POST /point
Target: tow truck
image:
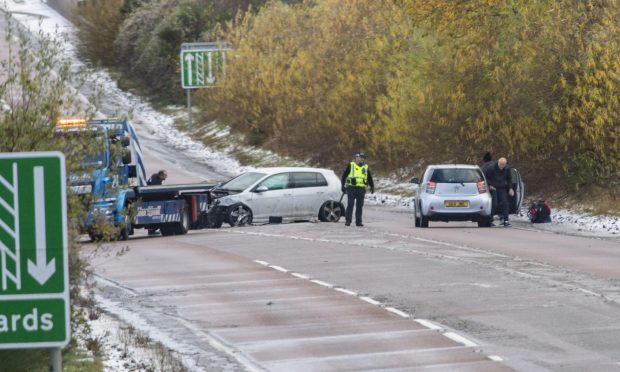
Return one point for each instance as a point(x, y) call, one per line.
point(111, 182)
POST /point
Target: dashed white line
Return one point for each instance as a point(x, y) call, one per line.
point(397, 312)
point(460, 339)
point(370, 300)
point(428, 324)
point(346, 291)
point(496, 358)
point(324, 284)
point(301, 276)
point(262, 262)
point(279, 268)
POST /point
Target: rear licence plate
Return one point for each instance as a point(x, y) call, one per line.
point(456, 203)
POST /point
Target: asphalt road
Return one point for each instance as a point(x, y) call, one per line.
point(536, 300)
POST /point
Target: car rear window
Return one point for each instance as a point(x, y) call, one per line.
point(456, 176)
point(308, 179)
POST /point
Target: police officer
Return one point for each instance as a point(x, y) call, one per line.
point(354, 180)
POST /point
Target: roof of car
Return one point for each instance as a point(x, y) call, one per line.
point(453, 166)
point(272, 170)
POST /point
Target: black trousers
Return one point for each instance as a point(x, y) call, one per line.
point(355, 197)
point(501, 193)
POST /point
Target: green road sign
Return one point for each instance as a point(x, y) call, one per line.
point(202, 64)
point(34, 275)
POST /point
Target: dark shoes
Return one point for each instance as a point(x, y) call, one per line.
point(506, 223)
point(359, 224)
point(347, 223)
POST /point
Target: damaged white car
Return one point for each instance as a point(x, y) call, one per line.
point(274, 195)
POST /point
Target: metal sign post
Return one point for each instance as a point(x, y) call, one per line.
point(201, 65)
point(34, 273)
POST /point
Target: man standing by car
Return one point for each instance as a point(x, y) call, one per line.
point(500, 184)
point(354, 180)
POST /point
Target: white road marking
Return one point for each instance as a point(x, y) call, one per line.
point(397, 312)
point(279, 268)
point(370, 300)
point(460, 339)
point(301, 276)
point(262, 262)
point(496, 358)
point(346, 291)
point(428, 324)
point(324, 284)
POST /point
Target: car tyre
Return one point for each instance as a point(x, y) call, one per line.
point(423, 220)
point(415, 216)
point(239, 215)
point(485, 221)
point(331, 211)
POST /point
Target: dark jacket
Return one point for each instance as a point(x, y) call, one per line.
point(347, 170)
point(154, 180)
point(498, 178)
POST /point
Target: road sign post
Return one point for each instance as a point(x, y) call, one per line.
point(201, 65)
point(34, 274)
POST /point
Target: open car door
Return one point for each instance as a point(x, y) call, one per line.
point(514, 203)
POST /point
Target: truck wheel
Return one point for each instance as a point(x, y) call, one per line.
point(330, 211)
point(239, 215)
point(183, 226)
point(125, 228)
point(167, 229)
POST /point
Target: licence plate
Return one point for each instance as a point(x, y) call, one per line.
point(456, 203)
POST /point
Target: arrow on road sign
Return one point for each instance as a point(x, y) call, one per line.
point(42, 270)
point(189, 58)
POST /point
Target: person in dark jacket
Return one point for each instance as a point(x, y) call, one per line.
point(500, 183)
point(157, 178)
point(355, 179)
point(487, 162)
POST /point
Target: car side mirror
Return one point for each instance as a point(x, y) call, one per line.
point(414, 180)
point(261, 189)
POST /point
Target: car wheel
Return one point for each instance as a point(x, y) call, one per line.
point(485, 221)
point(239, 215)
point(423, 220)
point(183, 226)
point(415, 215)
point(330, 211)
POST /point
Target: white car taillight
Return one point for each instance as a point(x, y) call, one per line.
point(430, 187)
point(482, 187)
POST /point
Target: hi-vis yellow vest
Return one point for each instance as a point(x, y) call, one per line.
point(359, 173)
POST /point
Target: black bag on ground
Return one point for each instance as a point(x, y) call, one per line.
point(539, 212)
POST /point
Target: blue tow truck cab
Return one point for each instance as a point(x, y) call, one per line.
point(112, 182)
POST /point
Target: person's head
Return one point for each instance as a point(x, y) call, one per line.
point(360, 158)
point(487, 157)
point(162, 174)
point(501, 163)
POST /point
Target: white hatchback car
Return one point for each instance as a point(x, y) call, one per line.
point(453, 192)
point(277, 195)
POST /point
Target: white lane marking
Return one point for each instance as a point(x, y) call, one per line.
point(324, 284)
point(397, 312)
point(496, 358)
point(346, 291)
point(301, 276)
point(370, 300)
point(460, 339)
point(279, 268)
point(589, 292)
point(428, 324)
point(262, 262)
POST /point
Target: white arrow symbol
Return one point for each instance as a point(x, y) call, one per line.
point(189, 58)
point(41, 271)
point(210, 78)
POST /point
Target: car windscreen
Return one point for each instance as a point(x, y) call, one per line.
point(457, 176)
point(243, 181)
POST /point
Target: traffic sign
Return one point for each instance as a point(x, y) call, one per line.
point(34, 275)
point(202, 64)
